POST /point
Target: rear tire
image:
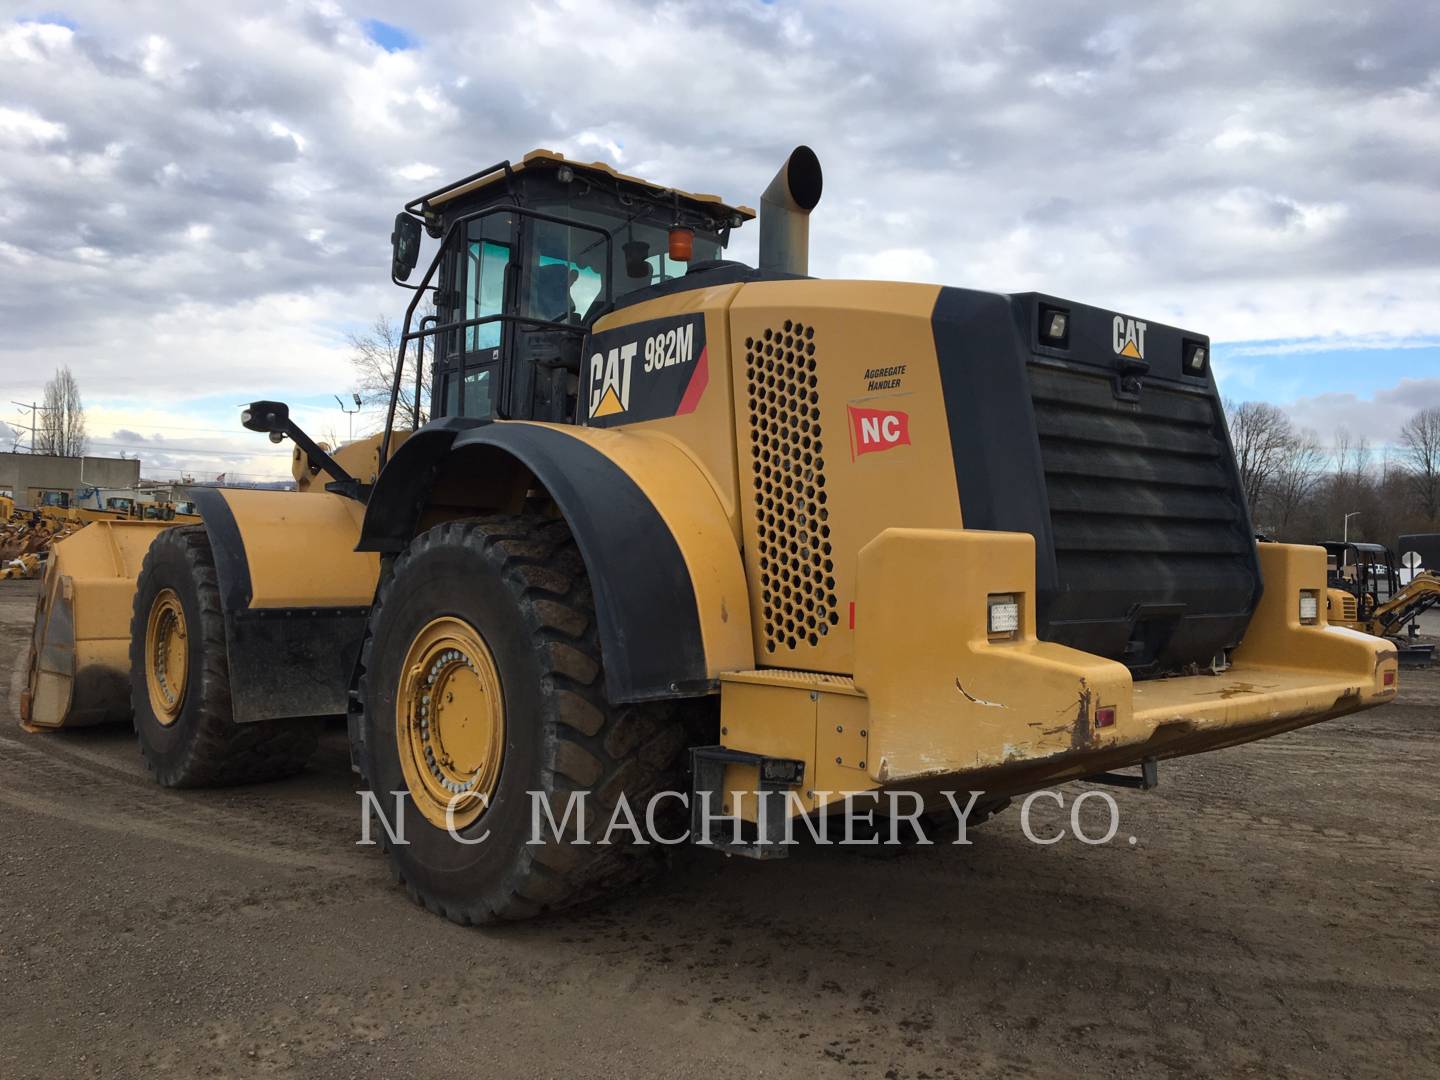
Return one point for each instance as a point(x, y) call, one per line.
point(188, 735)
point(519, 583)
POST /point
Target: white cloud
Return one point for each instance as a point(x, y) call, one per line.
point(19, 126)
point(609, 147)
point(33, 42)
point(890, 264)
point(417, 172)
point(1376, 418)
point(1332, 344)
point(210, 186)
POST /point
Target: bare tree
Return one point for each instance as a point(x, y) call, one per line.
point(374, 354)
point(62, 419)
point(1351, 458)
point(1301, 469)
point(1420, 438)
point(1262, 437)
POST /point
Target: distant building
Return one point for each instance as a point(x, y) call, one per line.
point(29, 476)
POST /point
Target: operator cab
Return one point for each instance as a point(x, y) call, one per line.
point(49, 497)
point(531, 254)
point(1366, 571)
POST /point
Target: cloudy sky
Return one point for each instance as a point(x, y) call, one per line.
point(195, 199)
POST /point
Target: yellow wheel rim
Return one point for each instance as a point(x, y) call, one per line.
point(450, 723)
point(167, 657)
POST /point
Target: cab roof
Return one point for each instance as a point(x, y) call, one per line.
point(535, 159)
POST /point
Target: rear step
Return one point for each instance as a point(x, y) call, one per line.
point(1149, 776)
point(708, 819)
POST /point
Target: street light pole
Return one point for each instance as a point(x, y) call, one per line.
point(349, 414)
point(1346, 529)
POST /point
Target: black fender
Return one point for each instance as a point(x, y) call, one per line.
point(645, 605)
point(295, 660)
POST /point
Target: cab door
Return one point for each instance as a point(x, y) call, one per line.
point(469, 370)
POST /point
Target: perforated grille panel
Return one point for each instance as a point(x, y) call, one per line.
point(797, 571)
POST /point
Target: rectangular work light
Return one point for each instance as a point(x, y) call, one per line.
point(1054, 326)
point(1309, 607)
point(1003, 619)
point(1197, 355)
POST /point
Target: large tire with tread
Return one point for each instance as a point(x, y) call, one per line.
point(202, 745)
point(519, 581)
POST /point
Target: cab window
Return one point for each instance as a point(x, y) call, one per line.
point(565, 276)
point(478, 400)
point(485, 263)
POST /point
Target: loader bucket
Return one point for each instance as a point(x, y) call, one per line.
point(79, 671)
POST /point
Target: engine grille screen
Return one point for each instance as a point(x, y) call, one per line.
point(787, 456)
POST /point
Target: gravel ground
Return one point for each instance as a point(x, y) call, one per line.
point(1278, 915)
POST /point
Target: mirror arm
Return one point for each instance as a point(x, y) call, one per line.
point(318, 458)
point(273, 418)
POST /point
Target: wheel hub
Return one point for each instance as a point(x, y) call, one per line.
point(450, 722)
point(167, 654)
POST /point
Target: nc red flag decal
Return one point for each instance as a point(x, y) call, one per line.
point(877, 429)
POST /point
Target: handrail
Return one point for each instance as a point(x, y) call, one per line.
point(420, 365)
point(412, 207)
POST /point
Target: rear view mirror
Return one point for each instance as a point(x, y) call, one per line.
point(404, 246)
point(636, 252)
point(266, 416)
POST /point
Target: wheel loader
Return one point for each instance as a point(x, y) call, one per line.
point(678, 524)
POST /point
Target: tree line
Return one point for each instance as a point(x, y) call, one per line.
point(1301, 489)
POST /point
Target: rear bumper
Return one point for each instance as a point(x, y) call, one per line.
point(936, 704)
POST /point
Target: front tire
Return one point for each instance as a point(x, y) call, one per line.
point(502, 605)
point(180, 678)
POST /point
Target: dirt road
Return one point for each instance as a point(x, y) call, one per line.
point(1278, 915)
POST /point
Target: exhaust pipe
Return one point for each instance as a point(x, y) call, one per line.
point(785, 213)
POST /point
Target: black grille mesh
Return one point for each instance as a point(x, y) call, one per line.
point(796, 561)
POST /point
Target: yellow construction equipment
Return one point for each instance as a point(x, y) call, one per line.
point(22, 566)
point(166, 511)
point(1365, 594)
point(805, 537)
point(25, 541)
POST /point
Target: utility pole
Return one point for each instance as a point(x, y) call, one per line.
point(34, 410)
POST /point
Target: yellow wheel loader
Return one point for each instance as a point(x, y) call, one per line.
point(680, 529)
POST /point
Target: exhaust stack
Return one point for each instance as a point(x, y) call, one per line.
point(785, 213)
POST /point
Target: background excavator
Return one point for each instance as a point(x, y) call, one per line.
point(679, 526)
point(1366, 594)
